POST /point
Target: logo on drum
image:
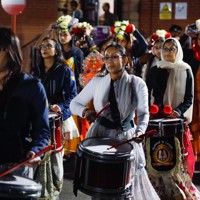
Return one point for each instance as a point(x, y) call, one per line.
point(163, 153)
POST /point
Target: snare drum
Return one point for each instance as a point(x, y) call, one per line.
point(101, 172)
point(169, 127)
point(56, 131)
point(18, 188)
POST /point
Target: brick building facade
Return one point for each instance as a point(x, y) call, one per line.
point(38, 14)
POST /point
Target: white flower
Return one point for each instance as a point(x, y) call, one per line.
point(161, 33)
point(198, 24)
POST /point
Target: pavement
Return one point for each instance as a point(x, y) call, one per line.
point(67, 191)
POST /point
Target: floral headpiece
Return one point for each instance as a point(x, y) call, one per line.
point(198, 24)
point(160, 34)
point(79, 28)
point(122, 27)
point(66, 22)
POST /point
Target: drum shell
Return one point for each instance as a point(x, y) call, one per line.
point(56, 131)
point(104, 174)
point(169, 128)
point(18, 188)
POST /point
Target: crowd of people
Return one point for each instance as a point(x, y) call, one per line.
point(133, 74)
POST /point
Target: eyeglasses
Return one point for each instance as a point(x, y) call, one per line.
point(48, 46)
point(113, 57)
point(157, 48)
point(172, 49)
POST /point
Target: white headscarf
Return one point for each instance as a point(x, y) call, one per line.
point(175, 90)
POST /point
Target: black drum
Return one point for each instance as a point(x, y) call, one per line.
point(102, 172)
point(17, 188)
point(168, 127)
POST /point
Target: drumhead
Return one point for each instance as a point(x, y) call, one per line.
point(53, 114)
point(102, 145)
point(13, 186)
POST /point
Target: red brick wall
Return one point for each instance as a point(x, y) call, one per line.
point(37, 15)
point(149, 15)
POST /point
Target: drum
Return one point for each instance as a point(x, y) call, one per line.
point(101, 172)
point(56, 131)
point(18, 188)
point(169, 127)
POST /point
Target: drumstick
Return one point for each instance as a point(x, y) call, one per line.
point(132, 139)
point(102, 109)
point(26, 160)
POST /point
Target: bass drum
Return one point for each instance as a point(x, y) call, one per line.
point(17, 188)
point(101, 172)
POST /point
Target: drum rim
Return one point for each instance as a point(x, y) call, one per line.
point(20, 191)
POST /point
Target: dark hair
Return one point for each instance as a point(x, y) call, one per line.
point(120, 48)
point(170, 40)
point(107, 4)
point(58, 56)
point(74, 3)
point(10, 42)
point(175, 28)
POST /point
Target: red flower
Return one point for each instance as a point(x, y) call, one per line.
point(112, 29)
point(154, 37)
point(167, 35)
point(129, 28)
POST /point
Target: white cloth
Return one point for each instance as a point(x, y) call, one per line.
point(70, 126)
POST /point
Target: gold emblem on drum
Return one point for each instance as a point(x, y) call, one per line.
point(163, 155)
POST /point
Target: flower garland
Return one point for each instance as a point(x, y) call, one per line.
point(79, 29)
point(122, 27)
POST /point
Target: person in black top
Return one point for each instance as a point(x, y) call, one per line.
point(108, 18)
point(24, 127)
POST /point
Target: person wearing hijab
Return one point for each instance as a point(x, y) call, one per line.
point(175, 87)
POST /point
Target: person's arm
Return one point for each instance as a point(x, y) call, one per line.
point(78, 104)
point(69, 91)
point(142, 105)
point(40, 133)
point(140, 45)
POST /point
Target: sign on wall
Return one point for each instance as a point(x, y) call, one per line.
point(181, 10)
point(165, 10)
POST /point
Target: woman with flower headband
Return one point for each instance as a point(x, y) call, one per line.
point(151, 71)
point(74, 57)
point(128, 36)
point(82, 37)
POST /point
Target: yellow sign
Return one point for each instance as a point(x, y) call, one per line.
point(165, 10)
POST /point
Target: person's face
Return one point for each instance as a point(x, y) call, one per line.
point(64, 37)
point(169, 52)
point(47, 48)
point(113, 60)
point(157, 49)
point(123, 42)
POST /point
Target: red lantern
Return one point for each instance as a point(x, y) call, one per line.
point(13, 7)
